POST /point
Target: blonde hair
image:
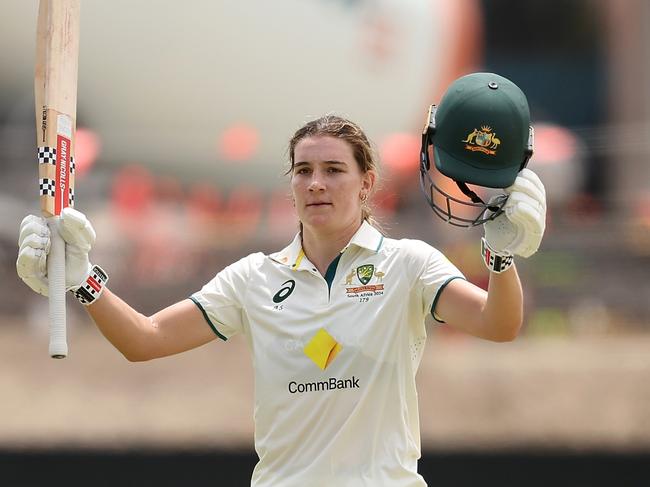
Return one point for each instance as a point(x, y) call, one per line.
point(341, 128)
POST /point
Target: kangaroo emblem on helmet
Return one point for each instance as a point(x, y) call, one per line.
point(482, 140)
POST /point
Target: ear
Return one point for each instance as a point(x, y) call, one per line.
point(368, 180)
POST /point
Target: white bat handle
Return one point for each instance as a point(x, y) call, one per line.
point(56, 277)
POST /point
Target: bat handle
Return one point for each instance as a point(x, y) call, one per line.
point(56, 277)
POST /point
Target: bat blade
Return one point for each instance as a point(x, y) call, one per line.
point(55, 93)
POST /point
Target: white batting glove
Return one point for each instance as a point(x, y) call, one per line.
point(520, 228)
point(79, 237)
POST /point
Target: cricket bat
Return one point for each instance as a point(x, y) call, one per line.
point(55, 90)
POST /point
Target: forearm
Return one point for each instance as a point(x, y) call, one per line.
point(502, 313)
point(122, 325)
point(171, 330)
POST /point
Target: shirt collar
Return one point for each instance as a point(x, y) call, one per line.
point(291, 255)
point(367, 237)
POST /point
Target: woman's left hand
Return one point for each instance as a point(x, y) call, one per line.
point(520, 228)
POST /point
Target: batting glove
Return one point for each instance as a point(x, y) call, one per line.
point(520, 228)
point(86, 281)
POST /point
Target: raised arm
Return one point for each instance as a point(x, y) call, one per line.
point(172, 330)
point(497, 314)
point(494, 315)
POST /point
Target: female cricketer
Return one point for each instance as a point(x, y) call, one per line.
point(334, 321)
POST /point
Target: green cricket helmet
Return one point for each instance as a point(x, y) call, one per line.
point(480, 134)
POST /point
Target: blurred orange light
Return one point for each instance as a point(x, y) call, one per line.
point(400, 153)
point(239, 142)
point(86, 151)
point(554, 144)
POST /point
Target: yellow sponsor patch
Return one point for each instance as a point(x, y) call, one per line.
point(322, 349)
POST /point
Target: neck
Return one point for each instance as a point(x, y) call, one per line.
point(321, 247)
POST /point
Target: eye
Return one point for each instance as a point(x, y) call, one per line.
point(333, 169)
point(302, 170)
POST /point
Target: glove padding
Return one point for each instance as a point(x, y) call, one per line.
point(34, 246)
point(520, 228)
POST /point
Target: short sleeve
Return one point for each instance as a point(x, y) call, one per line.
point(435, 272)
point(221, 299)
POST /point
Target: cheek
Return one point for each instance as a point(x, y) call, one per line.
point(350, 193)
point(295, 187)
point(353, 188)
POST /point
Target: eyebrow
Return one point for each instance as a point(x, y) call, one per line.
point(302, 163)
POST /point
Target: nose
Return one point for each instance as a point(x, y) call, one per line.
point(315, 184)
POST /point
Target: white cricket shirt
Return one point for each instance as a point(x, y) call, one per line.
point(335, 397)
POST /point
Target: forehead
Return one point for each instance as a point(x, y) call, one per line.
point(323, 148)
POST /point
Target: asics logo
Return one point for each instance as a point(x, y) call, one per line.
point(285, 291)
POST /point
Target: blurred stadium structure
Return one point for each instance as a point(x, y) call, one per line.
point(185, 110)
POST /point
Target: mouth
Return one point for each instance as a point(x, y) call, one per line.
point(317, 205)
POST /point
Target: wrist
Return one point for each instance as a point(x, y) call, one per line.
point(92, 286)
point(495, 261)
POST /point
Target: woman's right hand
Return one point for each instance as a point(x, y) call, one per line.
point(34, 246)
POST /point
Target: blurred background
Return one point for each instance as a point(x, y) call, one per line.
point(185, 110)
